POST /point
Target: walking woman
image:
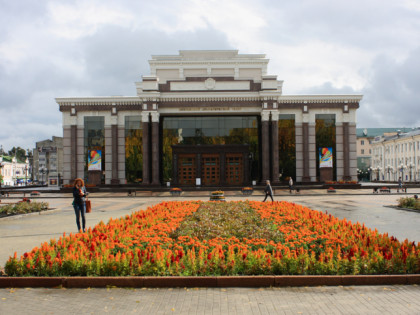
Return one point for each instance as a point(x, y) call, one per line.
point(268, 191)
point(78, 205)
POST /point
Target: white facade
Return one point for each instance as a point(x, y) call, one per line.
point(209, 83)
point(13, 171)
point(397, 156)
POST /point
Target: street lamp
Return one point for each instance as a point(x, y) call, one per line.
point(411, 166)
point(370, 169)
point(389, 169)
point(402, 168)
point(43, 171)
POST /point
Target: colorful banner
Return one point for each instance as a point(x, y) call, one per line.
point(95, 160)
point(325, 157)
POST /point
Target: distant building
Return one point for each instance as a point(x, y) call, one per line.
point(365, 137)
point(48, 161)
point(14, 171)
point(396, 156)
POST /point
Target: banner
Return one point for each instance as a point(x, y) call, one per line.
point(325, 157)
point(95, 160)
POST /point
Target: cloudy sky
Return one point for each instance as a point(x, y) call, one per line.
point(52, 49)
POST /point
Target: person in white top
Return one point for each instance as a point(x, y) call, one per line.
point(291, 184)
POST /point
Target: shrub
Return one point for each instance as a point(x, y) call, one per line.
point(23, 207)
point(408, 202)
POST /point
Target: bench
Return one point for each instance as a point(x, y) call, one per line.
point(385, 190)
point(130, 193)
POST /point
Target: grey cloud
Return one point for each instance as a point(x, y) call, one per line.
point(392, 95)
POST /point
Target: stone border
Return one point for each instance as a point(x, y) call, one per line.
point(221, 281)
point(23, 215)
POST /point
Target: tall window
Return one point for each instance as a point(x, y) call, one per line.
point(325, 137)
point(209, 131)
point(287, 146)
point(133, 149)
point(95, 141)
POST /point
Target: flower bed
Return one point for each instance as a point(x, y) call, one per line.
point(22, 207)
point(247, 191)
point(175, 191)
point(208, 238)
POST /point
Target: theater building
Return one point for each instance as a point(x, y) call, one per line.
point(209, 118)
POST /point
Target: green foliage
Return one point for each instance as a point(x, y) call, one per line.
point(23, 207)
point(227, 220)
point(408, 202)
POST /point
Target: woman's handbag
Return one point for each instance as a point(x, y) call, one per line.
point(88, 206)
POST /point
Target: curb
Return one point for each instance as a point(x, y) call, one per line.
point(23, 215)
point(220, 281)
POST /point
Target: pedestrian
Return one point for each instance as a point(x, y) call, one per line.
point(399, 184)
point(290, 184)
point(268, 191)
point(78, 205)
point(85, 194)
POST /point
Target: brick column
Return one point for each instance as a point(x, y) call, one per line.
point(80, 152)
point(114, 144)
point(145, 116)
point(305, 154)
point(155, 148)
point(275, 147)
point(299, 151)
point(339, 154)
point(121, 154)
point(265, 135)
point(73, 152)
point(352, 139)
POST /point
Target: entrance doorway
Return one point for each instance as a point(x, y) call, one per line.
point(187, 169)
point(210, 169)
point(214, 165)
point(234, 169)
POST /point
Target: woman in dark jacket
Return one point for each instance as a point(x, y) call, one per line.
point(268, 191)
point(78, 196)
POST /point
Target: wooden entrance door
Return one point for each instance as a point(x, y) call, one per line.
point(234, 169)
point(186, 169)
point(210, 169)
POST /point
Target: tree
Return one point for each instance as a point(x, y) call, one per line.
point(19, 153)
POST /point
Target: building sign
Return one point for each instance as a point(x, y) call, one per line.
point(325, 157)
point(95, 160)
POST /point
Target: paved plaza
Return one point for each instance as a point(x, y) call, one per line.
point(22, 233)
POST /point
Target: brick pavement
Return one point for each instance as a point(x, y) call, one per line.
point(303, 300)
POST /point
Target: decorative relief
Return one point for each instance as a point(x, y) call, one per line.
point(210, 84)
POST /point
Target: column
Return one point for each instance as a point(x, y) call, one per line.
point(275, 147)
point(155, 148)
point(265, 135)
point(346, 152)
point(352, 140)
point(121, 154)
point(339, 150)
point(73, 153)
point(114, 135)
point(145, 116)
point(108, 153)
point(312, 151)
point(305, 153)
point(299, 151)
point(80, 152)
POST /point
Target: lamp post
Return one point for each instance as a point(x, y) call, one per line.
point(402, 167)
point(370, 169)
point(43, 171)
point(411, 166)
point(389, 170)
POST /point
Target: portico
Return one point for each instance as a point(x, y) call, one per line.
point(215, 116)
